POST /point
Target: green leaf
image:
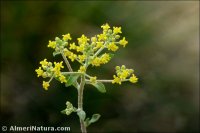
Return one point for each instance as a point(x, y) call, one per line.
point(81, 114)
point(100, 87)
point(55, 53)
point(95, 117)
point(87, 122)
point(72, 79)
point(75, 85)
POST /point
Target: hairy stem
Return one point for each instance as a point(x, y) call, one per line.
point(80, 102)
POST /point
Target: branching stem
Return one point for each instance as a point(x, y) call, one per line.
point(80, 102)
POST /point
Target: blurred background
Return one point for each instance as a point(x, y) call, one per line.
point(163, 49)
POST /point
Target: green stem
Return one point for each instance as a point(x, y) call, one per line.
point(80, 102)
point(106, 80)
point(67, 73)
point(99, 51)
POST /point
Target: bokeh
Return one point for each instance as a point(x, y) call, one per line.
point(163, 49)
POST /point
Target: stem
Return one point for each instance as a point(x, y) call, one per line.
point(80, 102)
point(68, 65)
point(67, 62)
point(67, 73)
point(51, 78)
point(106, 81)
point(98, 51)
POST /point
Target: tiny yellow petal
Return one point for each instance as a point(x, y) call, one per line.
point(123, 42)
point(82, 69)
point(105, 27)
point(72, 46)
point(44, 63)
point(133, 79)
point(72, 56)
point(45, 85)
point(62, 78)
point(83, 40)
point(112, 47)
point(67, 37)
point(116, 80)
point(117, 30)
point(52, 44)
point(39, 72)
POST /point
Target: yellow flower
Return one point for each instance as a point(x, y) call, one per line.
point(67, 37)
point(52, 44)
point(102, 37)
point(81, 58)
point(44, 75)
point(45, 85)
point(44, 63)
point(39, 72)
point(66, 52)
point(112, 47)
point(62, 78)
point(105, 27)
point(96, 61)
point(117, 30)
point(116, 80)
point(80, 48)
point(117, 67)
point(72, 46)
point(83, 39)
point(93, 80)
point(72, 56)
point(124, 74)
point(57, 68)
point(58, 65)
point(105, 58)
point(123, 42)
point(133, 79)
point(93, 39)
point(82, 69)
point(98, 45)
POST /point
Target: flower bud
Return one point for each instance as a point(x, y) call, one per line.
point(117, 36)
point(110, 31)
point(123, 67)
point(117, 67)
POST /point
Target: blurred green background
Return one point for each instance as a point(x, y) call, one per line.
point(163, 49)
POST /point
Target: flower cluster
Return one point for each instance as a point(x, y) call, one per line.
point(87, 50)
point(69, 109)
point(48, 70)
point(94, 51)
point(103, 59)
point(122, 74)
